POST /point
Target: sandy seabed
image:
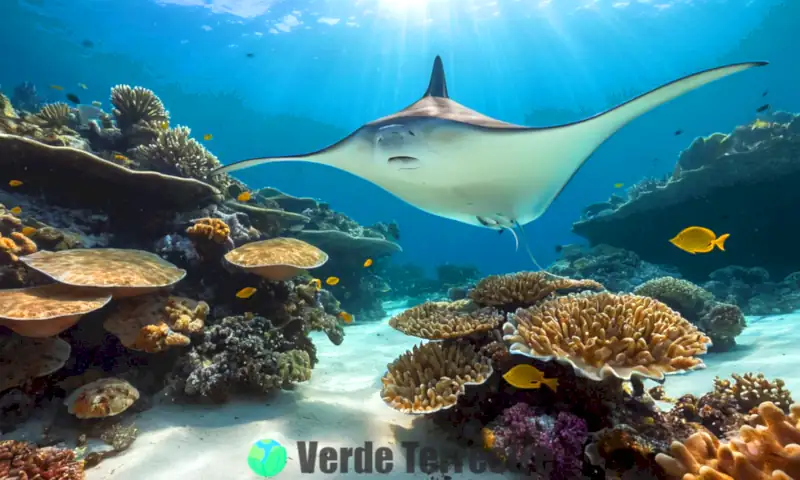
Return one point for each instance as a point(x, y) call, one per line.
point(341, 407)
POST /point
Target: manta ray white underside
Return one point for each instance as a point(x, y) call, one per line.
point(448, 160)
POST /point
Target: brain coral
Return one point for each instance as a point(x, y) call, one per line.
point(432, 376)
point(440, 320)
point(604, 334)
point(524, 289)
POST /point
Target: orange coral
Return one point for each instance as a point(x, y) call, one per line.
point(209, 229)
point(769, 451)
point(15, 245)
point(23, 461)
point(525, 288)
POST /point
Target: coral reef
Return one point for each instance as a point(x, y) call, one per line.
point(432, 376)
point(604, 335)
point(136, 104)
point(720, 321)
point(716, 176)
point(769, 450)
point(102, 398)
point(754, 291)
point(277, 258)
point(20, 460)
point(524, 289)
point(750, 390)
point(437, 321)
point(23, 359)
point(175, 153)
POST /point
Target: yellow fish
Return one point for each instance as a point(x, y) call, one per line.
point(15, 183)
point(368, 263)
point(16, 210)
point(28, 231)
point(346, 317)
point(83, 86)
point(120, 157)
point(97, 104)
point(316, 283)
point(619, 185)
point(244, 197)
point(164, 125)
point(759, 124)
point(332, 280)
point(699, 240)
point(528, 376)
point(246, 292)
point(207, 137)
point(57, 87)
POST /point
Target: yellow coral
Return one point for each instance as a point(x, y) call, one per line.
point(440, 320)
point(209, 229)
point(768, 451)
point(603, 335)
point(525, 288)
point(14, 246)
point(750, 390)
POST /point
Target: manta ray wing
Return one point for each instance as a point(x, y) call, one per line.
point(479, 170)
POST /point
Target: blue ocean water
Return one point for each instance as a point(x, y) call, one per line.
point(321, 69)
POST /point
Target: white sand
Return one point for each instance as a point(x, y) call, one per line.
point(339, 407)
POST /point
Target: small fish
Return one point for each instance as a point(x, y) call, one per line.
point(346, 317)
point(83, 86)
point(207, 137)
point(763, 108)
point(251, 55)
point(619, 185)
point(559, 248)
point(332, 280)
point(649, 421)
point(164, 125)
point(28, 231)
point(765, 93)
point(678, 132)
point(244, 197)
point(246, 292)
point(699, 240)
point(73, 98)
point(57, 87)
point(367, 262)
point(87, 43)
point(15, 183)
point(97, 104)
point(16, 210)
point(528, 376)
point(316, 283)
point(759, 124)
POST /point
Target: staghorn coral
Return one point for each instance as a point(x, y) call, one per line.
point(551, 447)
point(768, 451)
point(277, 258)
point(524, 289)
point(23, 358)
point(54, 115)
point(442, 320)
point(47, 310)
point(604, 335)
point(213, 229)
point(174, 153)
point(750, 390)
point(24, 461)
point(102, 398)
point(154, 323)
point(122, 272)
point(136, 104)
point(432, 376)
point(13, 246)
point(242, 354)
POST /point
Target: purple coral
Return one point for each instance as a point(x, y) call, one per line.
point(551, 447)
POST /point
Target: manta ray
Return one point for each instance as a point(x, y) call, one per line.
point(454, 162)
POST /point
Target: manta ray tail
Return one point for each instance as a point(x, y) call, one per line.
point(530, 253)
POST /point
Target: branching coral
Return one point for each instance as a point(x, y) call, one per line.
point(441, 320)
point(768, 451)
point(136, 104)
point(54, 115)
point(549, 446)
point(750, 390)
point(524, 289)
point(23, 461)
point(213, 229)
point(431, 377)
point(154, 323)
point(604, 335)
point(175, 153)
point(13, 246)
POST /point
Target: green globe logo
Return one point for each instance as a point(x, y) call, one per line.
point(267, 458)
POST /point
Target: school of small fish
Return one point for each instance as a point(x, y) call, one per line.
point(699, 240)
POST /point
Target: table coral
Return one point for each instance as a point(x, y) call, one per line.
point(23, 461)
point(768, 451)
point(277, 258)
point(604, 334)
point(23, 358)
point(432, 376)
point(102, 398)
point(441, 320)
point(524, 289)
